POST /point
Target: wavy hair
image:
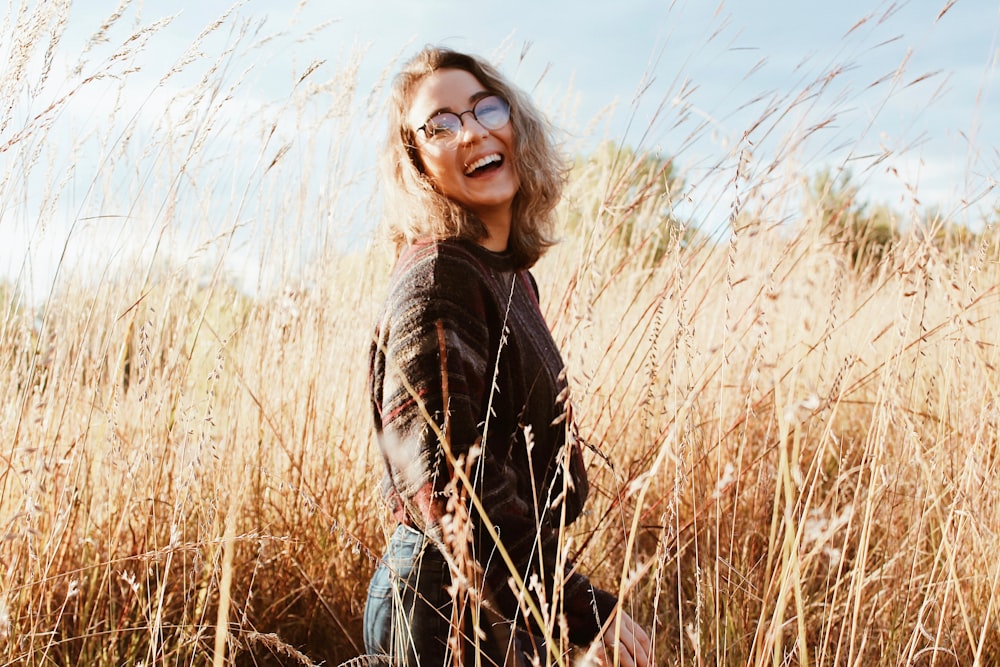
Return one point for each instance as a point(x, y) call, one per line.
point(415, 209)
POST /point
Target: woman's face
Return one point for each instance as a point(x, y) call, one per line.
point(476, 169)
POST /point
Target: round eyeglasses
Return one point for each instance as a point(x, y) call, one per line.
point(492, 112)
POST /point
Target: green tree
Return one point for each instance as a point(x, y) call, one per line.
point(625, 197)
point(867, 233)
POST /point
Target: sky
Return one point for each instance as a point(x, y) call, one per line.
point(902, 94)
point(714, 58)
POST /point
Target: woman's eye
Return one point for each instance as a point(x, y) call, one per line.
point(443, 125)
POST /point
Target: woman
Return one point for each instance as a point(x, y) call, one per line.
point(468, 389)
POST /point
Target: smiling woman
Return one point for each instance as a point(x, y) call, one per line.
point(419, 207)
point(468, 160)
point(468, 389)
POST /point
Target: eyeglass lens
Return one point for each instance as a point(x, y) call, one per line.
point(491, 112)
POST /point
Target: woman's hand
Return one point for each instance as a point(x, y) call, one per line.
point(634, 649)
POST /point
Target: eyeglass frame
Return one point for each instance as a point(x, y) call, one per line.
point(461, 120)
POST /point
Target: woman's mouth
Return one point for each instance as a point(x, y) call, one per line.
point(484, 164)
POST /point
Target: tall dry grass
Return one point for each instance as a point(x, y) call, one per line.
point(792, 463)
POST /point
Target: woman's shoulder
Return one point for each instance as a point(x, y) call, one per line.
point(440, 280)
point(432, 269)
point(449, 261)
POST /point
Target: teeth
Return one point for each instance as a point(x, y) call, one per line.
point(482, 162)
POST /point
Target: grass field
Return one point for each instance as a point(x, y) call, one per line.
point(795, 436)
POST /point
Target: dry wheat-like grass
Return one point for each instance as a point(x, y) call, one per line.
point(792, 455)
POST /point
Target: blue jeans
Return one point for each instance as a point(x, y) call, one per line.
point(409, 609)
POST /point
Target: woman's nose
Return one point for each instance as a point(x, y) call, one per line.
point(472, 129)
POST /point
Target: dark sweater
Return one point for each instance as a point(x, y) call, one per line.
point(453, 296)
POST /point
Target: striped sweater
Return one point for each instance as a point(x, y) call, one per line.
point(458, 321)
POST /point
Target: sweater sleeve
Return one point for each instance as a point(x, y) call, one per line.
point(438, 348)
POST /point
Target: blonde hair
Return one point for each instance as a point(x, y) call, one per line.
point(415, 209)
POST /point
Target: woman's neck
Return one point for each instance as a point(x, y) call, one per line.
point(497, 231)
